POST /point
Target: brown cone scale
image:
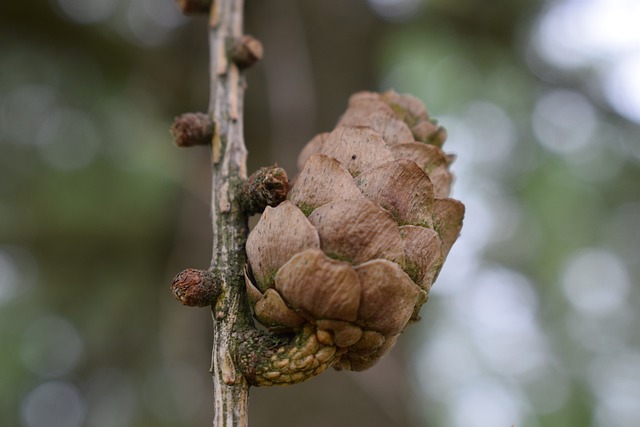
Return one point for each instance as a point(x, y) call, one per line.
point(366, 229)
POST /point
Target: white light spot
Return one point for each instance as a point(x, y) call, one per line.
point(622, 87)
point(54, 404)
point(51, 346)
point(503, 301)
point(564, 121)
point(500, 311)
point(575, 32)
point(491, 125)
point(486, 402)
point(557, 36)
point(601, 34)
point(445, 363)
point(595, 282)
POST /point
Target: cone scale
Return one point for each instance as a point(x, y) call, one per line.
point(353, 252)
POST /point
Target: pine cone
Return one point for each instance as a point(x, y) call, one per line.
point(364, 232)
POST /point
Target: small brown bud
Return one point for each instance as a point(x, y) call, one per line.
point(190, 129)
point(195, 288)
point(245, 51)
point(192, 7)
point(268, 186)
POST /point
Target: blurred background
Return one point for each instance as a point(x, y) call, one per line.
point(534, 319)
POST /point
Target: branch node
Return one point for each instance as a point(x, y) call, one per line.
point(245, 51)
point(268, 186)
point(196, 288)
point(191, 129)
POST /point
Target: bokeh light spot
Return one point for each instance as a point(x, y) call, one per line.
point(503, 301)
point(445, 363)
point(486, 402)
point(500, 310)
point(622, 87)
point(493, 131)
point(564, 121)
point(595, 282)
point(54, 404)
point(601, 34)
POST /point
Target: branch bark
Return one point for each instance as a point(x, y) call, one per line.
point(231, 311)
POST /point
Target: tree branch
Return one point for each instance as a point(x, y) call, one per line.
point(241, 354)
point(231, 311)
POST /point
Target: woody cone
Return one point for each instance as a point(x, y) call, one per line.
point(354, 250)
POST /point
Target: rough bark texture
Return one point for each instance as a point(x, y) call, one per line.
point(230, 311)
